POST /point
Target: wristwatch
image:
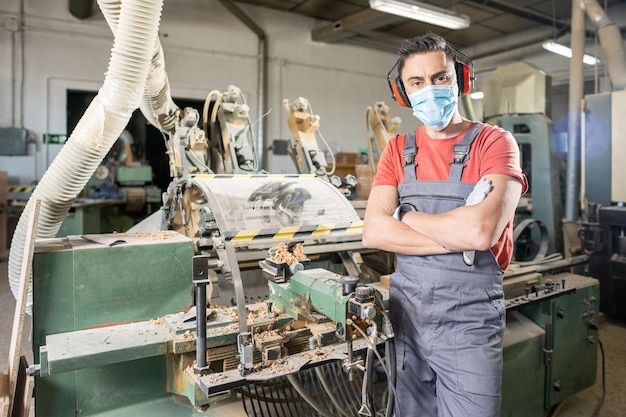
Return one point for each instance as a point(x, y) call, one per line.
point(403, 208)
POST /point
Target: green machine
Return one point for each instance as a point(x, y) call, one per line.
point(121, 327)
point(550, 343)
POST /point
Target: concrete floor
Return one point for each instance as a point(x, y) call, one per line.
point(612, 336)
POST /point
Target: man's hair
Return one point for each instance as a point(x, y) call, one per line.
point(430, 42)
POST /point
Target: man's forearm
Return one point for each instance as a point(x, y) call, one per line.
point(392, 235)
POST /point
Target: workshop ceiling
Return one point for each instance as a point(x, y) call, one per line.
point(496, 25)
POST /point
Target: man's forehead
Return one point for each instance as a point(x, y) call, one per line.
point(428, 63)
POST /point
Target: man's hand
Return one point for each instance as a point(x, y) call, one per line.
point(478, 194)
point(480, 191)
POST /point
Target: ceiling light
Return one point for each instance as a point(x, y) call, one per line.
point(567, 52)
point(423, 12)
point(477, 95)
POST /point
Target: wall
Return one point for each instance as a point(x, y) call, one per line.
point(206, 48)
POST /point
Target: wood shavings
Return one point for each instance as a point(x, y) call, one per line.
point(282, 253)
point(274, 367)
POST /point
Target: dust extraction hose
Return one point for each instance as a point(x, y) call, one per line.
point(98, 129)
point(157, 104)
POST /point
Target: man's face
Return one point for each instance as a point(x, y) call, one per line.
point(429, 68)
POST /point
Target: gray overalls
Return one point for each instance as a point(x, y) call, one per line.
point(448, 317)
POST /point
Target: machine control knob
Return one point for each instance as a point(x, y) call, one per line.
point(364, 293)
point(560, 313)
point(348, 284)
point(592, 299)
point(557, 385)
point(369, 312)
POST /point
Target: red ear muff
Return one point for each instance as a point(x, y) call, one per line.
point(464, 71)
point(398, 93)
point(464, 78)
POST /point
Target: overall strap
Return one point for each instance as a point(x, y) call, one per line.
point(409, 156)
point(461, 152)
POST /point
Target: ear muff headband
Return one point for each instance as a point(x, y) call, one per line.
point(464, 71)
point(464, 78)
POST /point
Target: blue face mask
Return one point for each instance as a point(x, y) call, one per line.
point(434, 105)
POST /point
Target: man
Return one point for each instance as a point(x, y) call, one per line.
point(444, 200)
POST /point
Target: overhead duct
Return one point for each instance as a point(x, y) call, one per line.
point(572, 189)
point(156, 105)
point(611, 42)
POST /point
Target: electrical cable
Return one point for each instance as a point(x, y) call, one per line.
point(330, 151)
point(596, 411)
point(305, 395)
point(365, 409)
point(390, 348)
point(330, 392)
point(205, 109)
point(382, 363)
point(370, 149)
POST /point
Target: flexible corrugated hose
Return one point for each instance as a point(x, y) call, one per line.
point(98, 129)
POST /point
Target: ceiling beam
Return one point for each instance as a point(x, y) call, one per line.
point(352, 25)
point(525, 13)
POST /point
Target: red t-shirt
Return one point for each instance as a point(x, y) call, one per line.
point(494, 151)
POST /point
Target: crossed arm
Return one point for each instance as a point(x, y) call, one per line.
point(466, 228)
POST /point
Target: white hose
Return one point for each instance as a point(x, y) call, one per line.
point(98, 129)
point(157, 104)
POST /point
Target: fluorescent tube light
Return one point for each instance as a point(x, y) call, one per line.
point(477, 95)
point(423, 12)
point(567, 52)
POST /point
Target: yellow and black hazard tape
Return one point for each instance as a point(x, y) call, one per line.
point(294, 232)
point(247, 176)
point(20, 189)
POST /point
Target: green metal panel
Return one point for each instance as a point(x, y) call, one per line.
point(117, 385)
point(167, 406)
point(131, 282)
point(55, 395)
point(574, 359)
point(50, 289)
point(323, 290)
point(523, 370)
point(575, 351)
point(133, 175)
point(82, 219)
point(79, 284)
point(147, 277)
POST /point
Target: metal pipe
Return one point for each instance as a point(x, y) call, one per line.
point(201, 326)
point(611, 42)
point(572, 201)
point(261, 75)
